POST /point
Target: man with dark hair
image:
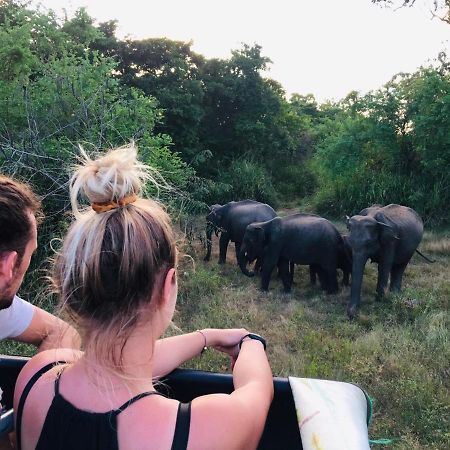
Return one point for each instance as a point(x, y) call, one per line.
point(20, 211)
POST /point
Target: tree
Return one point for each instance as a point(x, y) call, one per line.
point(389, 146)
point(438, 8)
point(57, 93)
point(241, 108)
point(168, 71)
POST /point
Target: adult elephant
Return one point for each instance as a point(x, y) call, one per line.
point(230, 221)
point(387, 235)
point(303, 239)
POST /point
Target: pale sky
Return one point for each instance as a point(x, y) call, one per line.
point(324, 47)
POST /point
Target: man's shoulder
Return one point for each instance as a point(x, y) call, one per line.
point(15, 319)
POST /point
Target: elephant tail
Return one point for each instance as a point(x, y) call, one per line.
point(425, 257)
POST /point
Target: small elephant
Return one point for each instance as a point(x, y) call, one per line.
point(303, 239)
point(344, 263)
point(387, 235)
point(230, 221)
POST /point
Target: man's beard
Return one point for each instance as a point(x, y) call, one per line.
point(6, 302)
point(6, 298)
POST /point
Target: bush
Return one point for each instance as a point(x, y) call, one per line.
point(244, 180)
point(353, 192)
point(294, 181)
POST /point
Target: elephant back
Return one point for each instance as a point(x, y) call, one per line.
point(309, 239)
point(407, 221)
point(243, 213)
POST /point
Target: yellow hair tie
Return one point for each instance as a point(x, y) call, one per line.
point(108, 206)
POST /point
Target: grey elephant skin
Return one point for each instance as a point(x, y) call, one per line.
point(344, 264)
point(230, 221)
point(303, 239)
point(387, 235)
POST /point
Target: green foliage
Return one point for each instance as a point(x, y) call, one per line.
point(244, 180)
point(390, 146)
point(57, 94)
point(169, 71)
point(295, 181)
point(15, 53)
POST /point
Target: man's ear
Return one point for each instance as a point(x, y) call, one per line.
point(7, 265)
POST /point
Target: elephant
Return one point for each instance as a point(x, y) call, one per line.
point(344, 263)
point(387, 235)
point(304, 239)
point(231, 220)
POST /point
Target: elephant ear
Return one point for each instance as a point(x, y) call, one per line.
point(388, 228)
point(347, 221)
point(216, 214)
point(260, 235)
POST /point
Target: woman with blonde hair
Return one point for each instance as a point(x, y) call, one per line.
point(116, 279)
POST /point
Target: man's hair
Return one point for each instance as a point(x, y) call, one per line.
point(17, 201)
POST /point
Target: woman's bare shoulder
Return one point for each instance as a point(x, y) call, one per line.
point(38, 362)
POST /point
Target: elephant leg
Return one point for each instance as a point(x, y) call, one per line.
point(237, 248)
point(223, 245)
point(258, 265)
point(345, 277)
point(384, 268)
point(283, 268)
point(397, 276)
point(331, 277)
point(279, 270)
point(313, 273)
point(383, 279)
point(322, 277)
point(265, 278)
point(291, 271)
point(269, 264)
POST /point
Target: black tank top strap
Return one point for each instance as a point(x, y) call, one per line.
point(181, 436)
point(135, 399)
point(58, 376)
point(24, 396)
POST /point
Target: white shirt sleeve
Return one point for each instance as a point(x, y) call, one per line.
point(15, 319)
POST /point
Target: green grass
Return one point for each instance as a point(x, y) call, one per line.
point(398, 349)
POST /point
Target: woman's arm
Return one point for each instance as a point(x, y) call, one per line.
point(171, 352)
point(253, 383)
point(235, 421)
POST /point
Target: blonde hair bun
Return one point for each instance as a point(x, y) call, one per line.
point(111, 177)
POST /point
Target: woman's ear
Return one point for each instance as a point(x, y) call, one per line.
point(170, 289)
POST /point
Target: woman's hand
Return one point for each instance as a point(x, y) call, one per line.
point(226, 340)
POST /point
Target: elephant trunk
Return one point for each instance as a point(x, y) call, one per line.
point(209, 231)
point(359, 262)
point(242, 261)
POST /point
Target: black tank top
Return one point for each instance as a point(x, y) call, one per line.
point(69, 428)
